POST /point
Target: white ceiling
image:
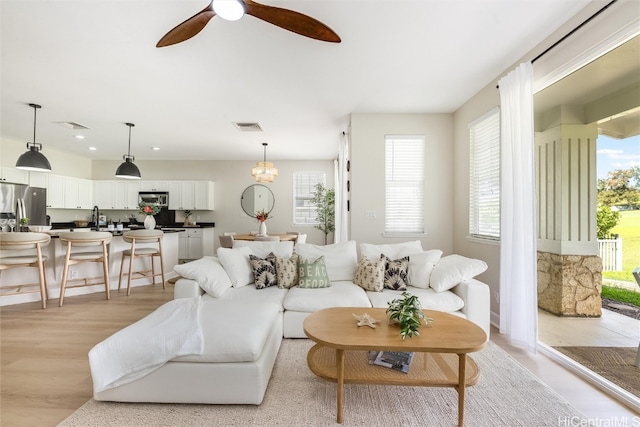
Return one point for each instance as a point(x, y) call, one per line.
point(94, 62)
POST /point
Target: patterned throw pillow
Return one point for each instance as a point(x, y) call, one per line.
point(396, 273)
point(264, 271)
point(312, 274)
point(370, 274)
point(287, 271)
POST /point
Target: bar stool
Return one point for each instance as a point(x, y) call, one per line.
point(27, 242)
point(137, 237)
point(84, 240)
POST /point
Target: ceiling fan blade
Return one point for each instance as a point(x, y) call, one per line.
point(188, 28)
point(292, 21)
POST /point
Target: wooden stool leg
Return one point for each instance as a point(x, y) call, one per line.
point(131, 259)
point(164, 282)
point(105, 270)
point(121, 269)
point(65, 271)
point(153, 270)
point(46, 285)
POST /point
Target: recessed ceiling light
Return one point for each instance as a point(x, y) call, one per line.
point(155, 148)
point(92, 148)
point(79, 136)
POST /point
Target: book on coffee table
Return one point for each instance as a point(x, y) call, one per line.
point(398, 360)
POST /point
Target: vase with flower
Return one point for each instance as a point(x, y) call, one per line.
point(262, 216)
point(149, 210)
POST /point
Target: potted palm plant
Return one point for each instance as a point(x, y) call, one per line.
point(407, 311)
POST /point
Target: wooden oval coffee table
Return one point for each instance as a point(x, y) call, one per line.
point(440, 360)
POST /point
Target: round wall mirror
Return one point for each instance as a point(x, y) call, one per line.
point(256, 198)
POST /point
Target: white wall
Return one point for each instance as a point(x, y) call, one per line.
point(61, 163)
point(367, 175)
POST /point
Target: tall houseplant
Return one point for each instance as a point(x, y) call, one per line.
point(324, 200)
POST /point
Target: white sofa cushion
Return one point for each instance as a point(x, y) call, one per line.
point(420, 267)
point(341, 259)
point(236, 264)
point(453, 269)
point(249, 293)
point(243, 342)
point(393, 250)
point(209, 274)
point(339, 294)
point(263, 249)
point(429, 299)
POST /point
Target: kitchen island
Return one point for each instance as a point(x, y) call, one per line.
point(89, 273)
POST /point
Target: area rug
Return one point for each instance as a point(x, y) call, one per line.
point(612, 363)
point(506, 395)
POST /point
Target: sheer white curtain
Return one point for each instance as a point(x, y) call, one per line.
point(341, 176)
point(518, 283)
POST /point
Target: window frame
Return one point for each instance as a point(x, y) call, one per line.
point(311, 210)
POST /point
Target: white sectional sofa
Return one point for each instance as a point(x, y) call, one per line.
point(234, 283)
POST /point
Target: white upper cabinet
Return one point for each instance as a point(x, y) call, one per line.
point(55, 191)
point(154, 186)
point(39, 179)
point(192, 195)
point(204, 195)
point(15, 175)
point(104, 195)
point(78, 193)
point(120, 195)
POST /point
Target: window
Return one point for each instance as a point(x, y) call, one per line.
point(404, 185)
point(303, 186)
point(484, 176)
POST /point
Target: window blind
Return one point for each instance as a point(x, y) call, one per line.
point(484, 176)
point(404, 184)
point(303, 185)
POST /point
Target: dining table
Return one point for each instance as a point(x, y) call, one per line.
point(283, 237)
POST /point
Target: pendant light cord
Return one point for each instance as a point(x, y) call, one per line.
point(129, 148)
point(35, 110)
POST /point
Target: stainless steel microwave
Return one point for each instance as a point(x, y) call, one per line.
point(159, 197)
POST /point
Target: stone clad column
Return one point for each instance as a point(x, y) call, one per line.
point(569, 268)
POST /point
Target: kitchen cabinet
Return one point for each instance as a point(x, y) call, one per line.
point(78, 193)
point(190, 244)
point(14, 175)
point(39, 179)
point(55, 191)
point(120, 195)
point(154, 186)
point(192, 195)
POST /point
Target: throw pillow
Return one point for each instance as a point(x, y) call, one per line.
point(209, 274)
point(370, 275)
point(341, 259)
point(236, 264)
point(264, 271)
point(420, 267)
point(312, 274)
point(396, 273)
point(287, 271)
point(453, 269)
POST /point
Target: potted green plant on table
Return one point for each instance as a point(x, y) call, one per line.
point(407, 311)
point(187, 217)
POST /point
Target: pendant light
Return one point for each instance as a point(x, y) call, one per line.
point(128, 170)
point(34, 160)
point(264, 171)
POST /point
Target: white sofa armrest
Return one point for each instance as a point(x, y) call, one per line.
point(187, 288)
point(477, 300)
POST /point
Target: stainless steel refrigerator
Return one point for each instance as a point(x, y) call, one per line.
point(21, 201)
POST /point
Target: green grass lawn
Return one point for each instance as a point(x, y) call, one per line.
point(629, 230)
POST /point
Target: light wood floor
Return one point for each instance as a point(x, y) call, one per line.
point(44, 368)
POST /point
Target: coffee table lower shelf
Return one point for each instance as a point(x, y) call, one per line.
point(427, 370)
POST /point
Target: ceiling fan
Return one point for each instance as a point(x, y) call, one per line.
point(233, 10)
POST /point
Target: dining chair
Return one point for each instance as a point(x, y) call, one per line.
point(96, 242)
point(302, 238)
point(142, 237)
point(30, 246)
point(226, 241)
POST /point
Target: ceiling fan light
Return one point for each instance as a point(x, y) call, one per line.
point(128, 170)
point(230, 10)
point(33, 160)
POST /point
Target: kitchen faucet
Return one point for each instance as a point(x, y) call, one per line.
point(95, 214)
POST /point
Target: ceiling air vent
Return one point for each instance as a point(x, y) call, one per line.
point(248, 127)
point(72, 125)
